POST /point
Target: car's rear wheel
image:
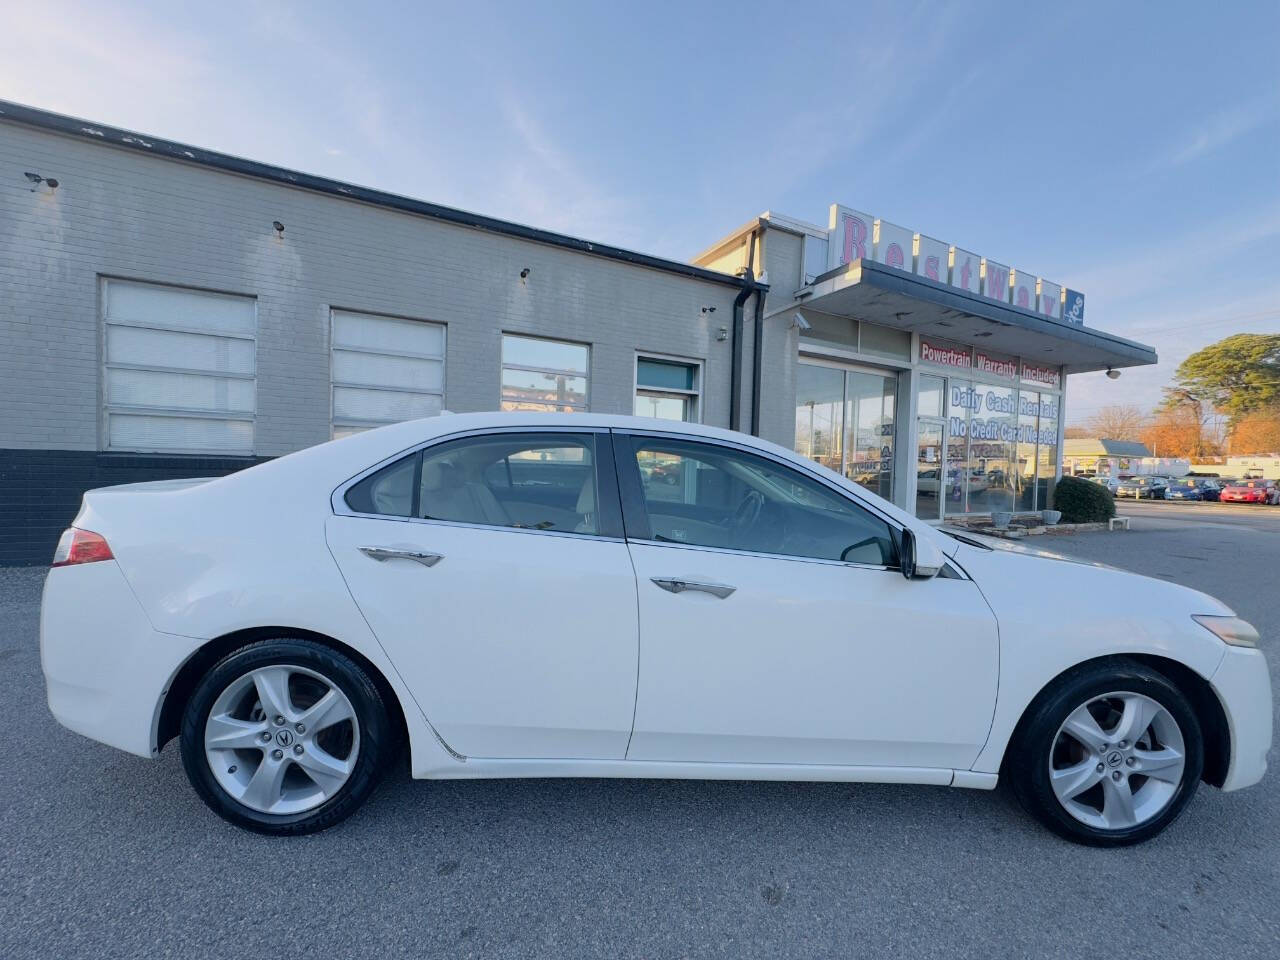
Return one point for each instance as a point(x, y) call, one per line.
point(1107, 756)
point(284, 737)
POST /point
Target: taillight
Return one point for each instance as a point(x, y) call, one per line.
point(80, 546)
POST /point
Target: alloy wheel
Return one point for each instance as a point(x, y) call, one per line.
point(282, 739)
point(1117, 761)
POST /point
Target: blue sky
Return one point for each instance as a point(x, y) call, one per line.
point(1131, 151)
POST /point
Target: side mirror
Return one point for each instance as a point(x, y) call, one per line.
point(920, 559)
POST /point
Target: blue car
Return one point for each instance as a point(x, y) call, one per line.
point(1183, 491)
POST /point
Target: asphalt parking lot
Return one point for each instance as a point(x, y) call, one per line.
point(107, 855)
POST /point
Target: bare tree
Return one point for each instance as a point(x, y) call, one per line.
point(1119, 421)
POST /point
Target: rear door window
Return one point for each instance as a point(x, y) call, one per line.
point(532, 481)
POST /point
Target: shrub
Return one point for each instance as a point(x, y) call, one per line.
point(1082, 501)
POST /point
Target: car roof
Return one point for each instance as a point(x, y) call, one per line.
point(337, 460)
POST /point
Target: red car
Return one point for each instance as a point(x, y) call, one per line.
point(1249, 491)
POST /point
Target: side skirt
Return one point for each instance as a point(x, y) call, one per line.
point(481, 769)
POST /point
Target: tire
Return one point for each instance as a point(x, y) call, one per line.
point(299, 780)
point(1044, 753)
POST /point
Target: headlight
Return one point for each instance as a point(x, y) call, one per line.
point(1232, 630)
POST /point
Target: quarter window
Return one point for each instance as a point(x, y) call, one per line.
point(546, 375)
point(668, 389)
point(707, 495)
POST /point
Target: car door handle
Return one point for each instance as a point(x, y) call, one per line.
point(674, 585)
point(392, 553)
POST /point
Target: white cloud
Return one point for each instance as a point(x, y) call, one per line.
point(1156, 262)
point(1215, 132)
point(92, 61)
point(540, 182)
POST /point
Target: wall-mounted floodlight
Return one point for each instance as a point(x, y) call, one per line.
point(36, 180)
point(1113, 374)
point(278, 227)
point(800, 323)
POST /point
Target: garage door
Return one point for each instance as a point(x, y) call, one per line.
point(385, 370)
point(178, 369)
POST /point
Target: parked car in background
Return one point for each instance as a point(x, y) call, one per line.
point(516, 595)
point(1209, 487)
point(1180, 490)
point(1140, 488)
point(1249, 491)
point(1111, 483)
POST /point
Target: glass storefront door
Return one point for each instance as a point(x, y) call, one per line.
point(868, 430)
point(845, 421)
point(820, 415)
point(930, 469)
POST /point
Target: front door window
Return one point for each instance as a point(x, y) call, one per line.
point(705, 495)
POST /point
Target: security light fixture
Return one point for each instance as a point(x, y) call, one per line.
point(800, 323)
point(36, 179)
point(1113, 374)
point(279, 227)
point(708, 309)
point(524, 274)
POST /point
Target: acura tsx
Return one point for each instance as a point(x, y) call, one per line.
point(545, 595)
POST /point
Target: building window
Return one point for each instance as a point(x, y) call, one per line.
point(384, 370)
point(845, 420)
point(178, 369)
point(668, 389)
point(547, 375)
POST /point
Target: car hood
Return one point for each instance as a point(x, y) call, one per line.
point(1073, 589)
point(1021, 549)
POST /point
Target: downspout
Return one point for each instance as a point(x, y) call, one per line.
point(757, 360)
point(747, 275)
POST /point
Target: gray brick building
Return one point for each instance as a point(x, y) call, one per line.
point(169, 311)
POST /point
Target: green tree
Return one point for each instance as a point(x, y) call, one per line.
point(1234, 376)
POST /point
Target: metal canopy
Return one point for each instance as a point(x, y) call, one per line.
point(870, 291)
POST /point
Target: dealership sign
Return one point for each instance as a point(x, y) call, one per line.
point(855, 235)
point(1047, 376)
point(1073, 307)
point(995, 365)
point(944, 353)
point(1037, 420)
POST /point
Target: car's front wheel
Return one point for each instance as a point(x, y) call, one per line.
point(1109, 755)
point(284, 737)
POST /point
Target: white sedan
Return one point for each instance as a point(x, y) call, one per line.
point(531, 595)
